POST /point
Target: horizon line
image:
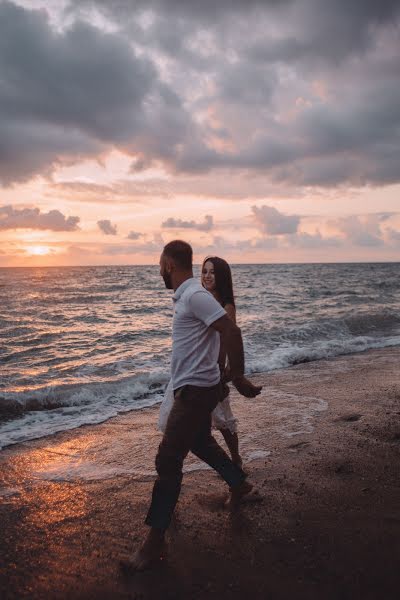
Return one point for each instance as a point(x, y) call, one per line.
point(353, 262)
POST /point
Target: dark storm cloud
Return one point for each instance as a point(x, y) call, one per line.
point(329, 31)
point(33, 218)
point(82, 78)
point(75, 93)
point(303, 92)
point(275, 30)
point(237, 84)
point(349, 136)
point(205, 12)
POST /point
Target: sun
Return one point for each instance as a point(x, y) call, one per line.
point(38, 250)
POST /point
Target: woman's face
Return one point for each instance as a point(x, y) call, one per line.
point(208, 276)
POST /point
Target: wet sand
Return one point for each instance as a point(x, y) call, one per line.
point(322, 442)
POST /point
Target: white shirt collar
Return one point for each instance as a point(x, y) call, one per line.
point(179, 291)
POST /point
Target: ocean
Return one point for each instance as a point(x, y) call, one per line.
point(79, 345)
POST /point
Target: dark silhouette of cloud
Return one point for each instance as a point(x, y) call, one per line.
point(33, 218)
point(107, 227)
point(134, 235)
point(172, 223)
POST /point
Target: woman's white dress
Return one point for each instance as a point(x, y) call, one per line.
point(221, 417)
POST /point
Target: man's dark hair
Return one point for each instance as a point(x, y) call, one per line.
point(181, 253)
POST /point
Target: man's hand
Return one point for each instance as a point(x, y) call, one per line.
point(245, 387)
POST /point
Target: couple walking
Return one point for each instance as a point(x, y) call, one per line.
point(202, 336)
point(216, 278)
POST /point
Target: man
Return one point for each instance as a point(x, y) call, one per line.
point(199, 321)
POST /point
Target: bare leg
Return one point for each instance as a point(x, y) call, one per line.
point(151, 552)
point(232, 441)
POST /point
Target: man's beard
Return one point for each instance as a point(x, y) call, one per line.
point(167, 281)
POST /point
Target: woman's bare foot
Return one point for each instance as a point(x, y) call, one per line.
point(242, 494)
point(150, 553)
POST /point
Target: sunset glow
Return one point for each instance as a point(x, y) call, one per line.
point(281, 147)
point(38, 250)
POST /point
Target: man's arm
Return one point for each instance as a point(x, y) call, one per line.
point(231, 339)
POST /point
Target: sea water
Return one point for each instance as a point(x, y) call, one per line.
point(79, 345)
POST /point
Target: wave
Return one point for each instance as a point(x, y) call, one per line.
point(288, 356)
point(381, 322)
point(365, 323)
point(86, 329)
point(140, 310)
point(44, 411)
point(18, 331)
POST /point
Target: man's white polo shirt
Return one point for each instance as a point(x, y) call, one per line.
point(195, 345)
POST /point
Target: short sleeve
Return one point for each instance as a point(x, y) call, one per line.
point(205, 307)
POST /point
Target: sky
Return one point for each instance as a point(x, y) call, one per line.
point(265, 131)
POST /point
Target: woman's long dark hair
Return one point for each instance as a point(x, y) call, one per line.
point(223, 279)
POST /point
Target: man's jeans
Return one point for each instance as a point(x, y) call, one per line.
point(188, 428)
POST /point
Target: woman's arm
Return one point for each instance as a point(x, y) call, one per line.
point(231, 312)
point(234, 343)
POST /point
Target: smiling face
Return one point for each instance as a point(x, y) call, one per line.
point(208, 276)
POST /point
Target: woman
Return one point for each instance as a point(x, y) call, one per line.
point(217, 279)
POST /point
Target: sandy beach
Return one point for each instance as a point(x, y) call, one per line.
point(322, 442)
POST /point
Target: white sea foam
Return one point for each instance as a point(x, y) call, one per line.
point(288, 355)
point(85, 405)
point(107, 457)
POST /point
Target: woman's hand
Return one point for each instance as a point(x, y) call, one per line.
point(245, 387)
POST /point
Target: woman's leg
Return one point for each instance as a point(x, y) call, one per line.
point(232, 441)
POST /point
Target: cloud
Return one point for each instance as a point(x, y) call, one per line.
point(319, 27)
point(79, 251)
point(235, 84)
point(172, 223)
point(272, 222)
point(82, 191)
point(312, 33)
point(392, 237)
point(107, 227)
point(76, 93)
point(310, 98)
point(153, 246)
point(33, 218)
point(134, 235)
point(362, 230)
point(306, 240)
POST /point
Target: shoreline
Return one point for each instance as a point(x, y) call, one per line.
point(322, 443)
point(10, 416)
